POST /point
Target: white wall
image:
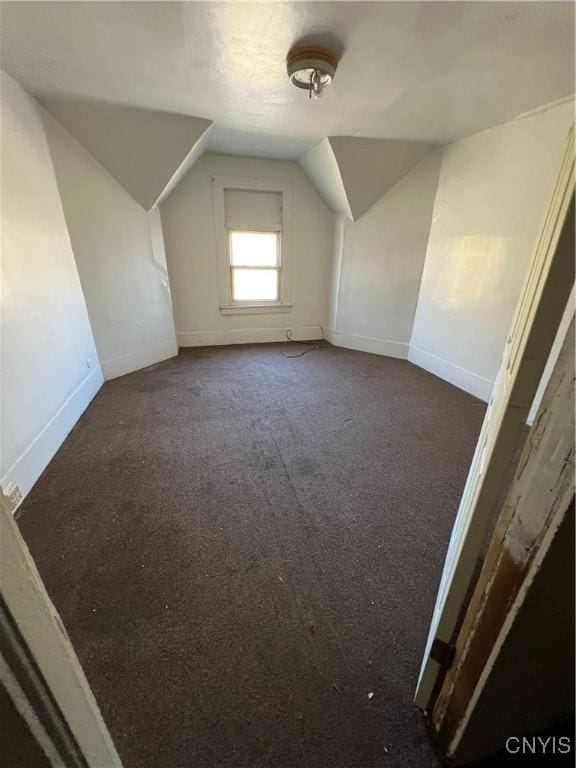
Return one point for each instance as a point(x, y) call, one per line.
point(492, 196)
point(321, 168)
point(142, 149)
point(120, 260)
point(381, 261)
point(189, 231)
point(370, 168)
point(50, 368)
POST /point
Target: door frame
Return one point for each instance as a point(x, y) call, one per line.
point(539, 498)
point(545, 293)
point(39, 666)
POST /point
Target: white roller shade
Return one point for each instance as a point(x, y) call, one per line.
point(252, 209)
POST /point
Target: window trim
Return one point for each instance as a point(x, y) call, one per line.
point(222, 184)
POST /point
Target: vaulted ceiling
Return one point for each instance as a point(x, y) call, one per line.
point(427, 72)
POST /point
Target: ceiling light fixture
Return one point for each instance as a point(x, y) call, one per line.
point(311, 68)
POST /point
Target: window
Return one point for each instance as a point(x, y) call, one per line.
point(253, 236)
point(254, 266)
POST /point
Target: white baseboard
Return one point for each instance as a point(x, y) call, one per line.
point(247, 336)
point(470, 382)
point(154, 352)
point(396, 349)
point(22, 475)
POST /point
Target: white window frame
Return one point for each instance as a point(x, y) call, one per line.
point(267, 230)
point(222, 184)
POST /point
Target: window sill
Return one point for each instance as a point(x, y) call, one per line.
point(254, 309)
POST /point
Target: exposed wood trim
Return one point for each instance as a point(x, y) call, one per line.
point(539, 495)
point(538, 314)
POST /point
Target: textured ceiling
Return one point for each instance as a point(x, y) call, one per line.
point(420, 71)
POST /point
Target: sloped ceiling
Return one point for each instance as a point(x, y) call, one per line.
point(409, 74)
point(352, 173)
point(417, 71)
point(370, 167)
point(321, 168)
point(146, 151)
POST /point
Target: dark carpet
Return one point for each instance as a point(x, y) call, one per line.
point(245, 550)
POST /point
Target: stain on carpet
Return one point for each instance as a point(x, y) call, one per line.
point(244, 546)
